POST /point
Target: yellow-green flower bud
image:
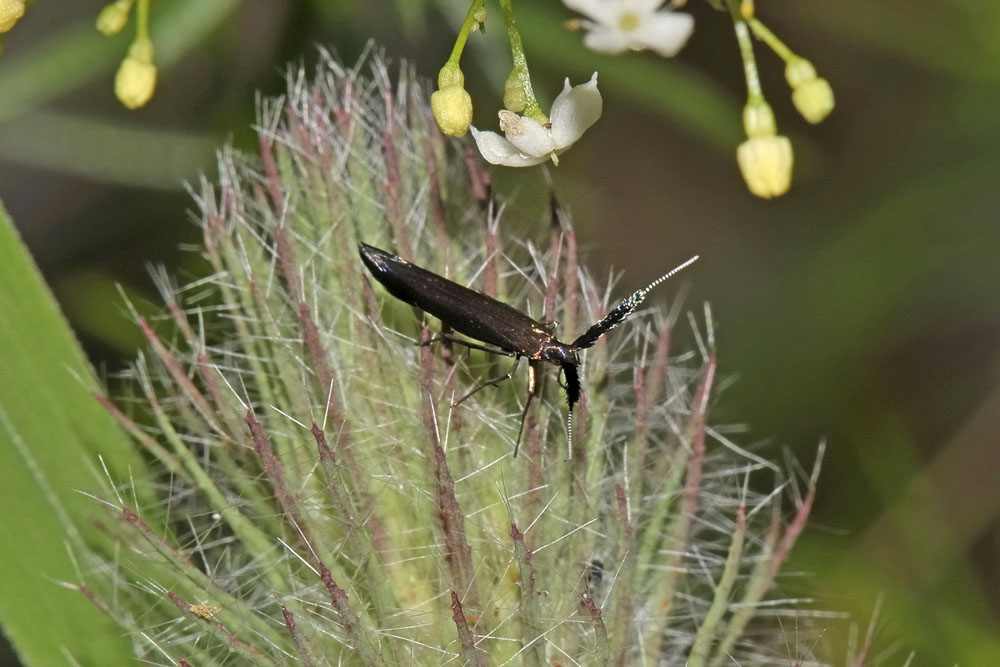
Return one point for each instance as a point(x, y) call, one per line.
point(798, 71)
point(113, 17)
point(812, 95)
point(766, 165)
point(452, 108)
point(451, 75)
point(758, 119)
point(814, 99)
point(10, 12)
point(514, 97)
point(136, 76)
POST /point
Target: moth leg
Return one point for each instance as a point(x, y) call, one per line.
point(491, 382)
point(467, 343)
point(532, 394)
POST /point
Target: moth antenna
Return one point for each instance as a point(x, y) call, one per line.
point(569, 435)
point(621, 312)
point(677, 269)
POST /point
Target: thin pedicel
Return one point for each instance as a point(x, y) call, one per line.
point(506, 330)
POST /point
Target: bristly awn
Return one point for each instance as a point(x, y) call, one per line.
point(505, 330)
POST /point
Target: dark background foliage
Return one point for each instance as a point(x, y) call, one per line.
point(863, 307)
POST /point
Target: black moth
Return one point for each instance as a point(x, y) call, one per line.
point(507, 330)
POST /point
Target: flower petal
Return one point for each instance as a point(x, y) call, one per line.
point(666, 33)
point(497, 150)
point(598, 10)
point(574, 110)
point(532, 138)
point(605, 39)
point(641, 6)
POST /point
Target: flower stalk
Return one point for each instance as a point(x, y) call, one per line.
point(765, 158)
point(520, 74)
point(473, 19)
point(451, 103)
point(811, 94)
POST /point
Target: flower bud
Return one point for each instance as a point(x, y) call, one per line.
point(113, 17)
point(798, 71)
point(450, 75)
point(814, 99)
point(452, 108)
point(10, 12)
point(758, 119)
point(514, 97)
point(766, 165)
point(136, 76)
point(812, 95)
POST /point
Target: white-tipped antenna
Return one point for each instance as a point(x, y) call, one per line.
point(623, 310)
point(569, 435)
point(676, 269)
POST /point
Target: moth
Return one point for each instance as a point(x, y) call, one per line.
point(504, 329)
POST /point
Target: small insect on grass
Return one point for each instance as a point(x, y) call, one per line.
point(504, 329)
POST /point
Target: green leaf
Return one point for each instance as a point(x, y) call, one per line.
point(51, 433)
point(101, 150)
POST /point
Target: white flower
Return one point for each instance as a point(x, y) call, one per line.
point(527, 142)
point(619, 25)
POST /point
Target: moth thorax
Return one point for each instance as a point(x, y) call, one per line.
point(559, 353)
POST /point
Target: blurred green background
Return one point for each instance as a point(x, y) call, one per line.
point(863, 307)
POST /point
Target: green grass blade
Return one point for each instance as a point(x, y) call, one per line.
point(51, 432)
